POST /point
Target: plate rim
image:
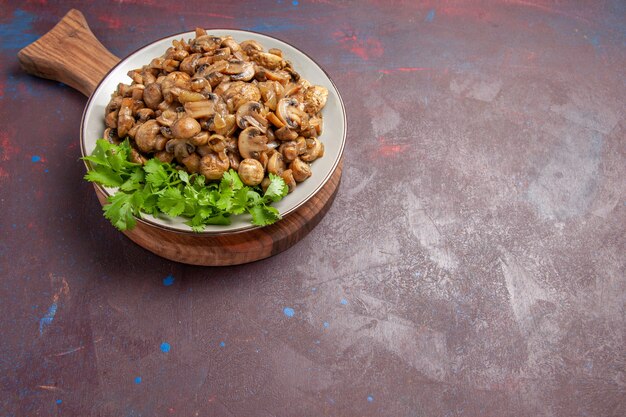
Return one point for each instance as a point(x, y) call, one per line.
point(151, 223)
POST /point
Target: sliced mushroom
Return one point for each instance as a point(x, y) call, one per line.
point(287, 176)
point(300, 170)
point(199, 139)
point(213, 165)
point(111, 119)
point(289, 150)
point(190, 63)
point(238, 93)
point(203, 108)
point(180, 148)
point(251, 172)
point(164, 156)
point(251, 46)
point(111, 135)
point(217, 143)
point(285, 133)
point(289, 113)
point(249, 114)
point(276, 164)
point(192, 162)
point(167, 118)
point(125, 118)
point(160, 142)
point(314, 150)
point(224, 125)
point(315, 98)
point(145, 114)
point(267, 60)
point(234, 160)
point(152, 95)
point(206, 43)
point(186, 96)
point(251, 143)
point(239, 70)
point(185, 128)
point(231, 44)
point(137, 157)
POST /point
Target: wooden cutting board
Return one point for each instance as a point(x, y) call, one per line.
point(70, 53)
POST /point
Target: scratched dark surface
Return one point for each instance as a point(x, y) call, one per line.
point(473, 262)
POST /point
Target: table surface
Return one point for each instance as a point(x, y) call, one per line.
point(473, 262)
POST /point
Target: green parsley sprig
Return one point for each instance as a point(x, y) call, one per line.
point(157, 187)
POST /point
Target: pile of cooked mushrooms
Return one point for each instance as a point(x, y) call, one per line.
point(210, 104)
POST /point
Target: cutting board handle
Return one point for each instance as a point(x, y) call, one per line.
point(69, 53)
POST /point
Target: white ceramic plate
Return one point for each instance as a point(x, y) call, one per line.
point(333, 135)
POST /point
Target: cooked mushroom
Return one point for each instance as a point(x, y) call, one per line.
point(200, 139)
point(287, 176)
point(289, 150)
point(314, 150)
point(249, 114)
point(164, 156)
point(266, 59)
point(251, 46)
point(240, 70)
point(180, 148)
point(289, 113)
point(213, 165)
point(315, 99)
point(125, 118)
point(300, 170)
point(213, 104)
point(251, 172)
point(192, 162)
point(276, 164)
point(251, 143)
point(284, 133)
point(137, 157)
point(185, 128)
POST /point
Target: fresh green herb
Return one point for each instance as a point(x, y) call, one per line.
point(157, 187)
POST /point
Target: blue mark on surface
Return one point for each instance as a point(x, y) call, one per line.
point(430, 16)
point(595, 40)
point(222, 344)
point(137, 380)
point(35, 158)
point(165, 347)
point(46, 170)
point(59, 401)
point(314, 289)
point(16, 33)
point(47, 319)
point(370, 399)
point(168, 280)
point(326, 324)
point(295, 2)
point(344, 301)
point(288, 311)
point(273, 25)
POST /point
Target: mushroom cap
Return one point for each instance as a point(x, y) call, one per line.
point(213, 165)
point(252, 142)
point(185, 128)
point(146, 135)
point(251, 172)
point(249, 114)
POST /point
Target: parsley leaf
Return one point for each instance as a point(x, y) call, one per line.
point(158, 187)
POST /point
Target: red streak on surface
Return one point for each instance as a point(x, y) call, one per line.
point(545, 8)
point(365, 48)
point(3, 174)
point(390, 149)
point(404, 69)
point(111, 22)
point(1, 89)
point(7, 149)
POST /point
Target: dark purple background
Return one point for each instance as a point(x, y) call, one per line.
point(472, 264)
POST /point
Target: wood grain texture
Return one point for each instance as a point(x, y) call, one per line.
point(47, 58)
point(69, 53)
